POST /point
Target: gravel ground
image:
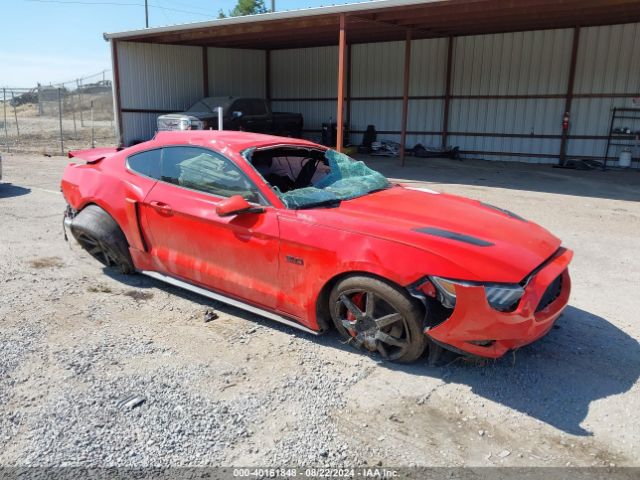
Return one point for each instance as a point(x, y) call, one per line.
point(99, 369)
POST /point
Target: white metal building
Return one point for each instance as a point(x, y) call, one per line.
point(492, 77)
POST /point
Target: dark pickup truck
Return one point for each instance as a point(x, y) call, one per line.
point(239, 113)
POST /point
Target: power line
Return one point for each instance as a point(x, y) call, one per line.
point(120, 4)
point(188, 5)
point(86, 77)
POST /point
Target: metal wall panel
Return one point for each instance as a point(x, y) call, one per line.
point(313, 112)
point(607, 64)
point(521, 63)
point(163, 77)
point(608, 59)
point(428, 62)
point(139, 127)
point(539, 116)
point(304, 73)
point(156, 77)
point(592, 116)
point(236, 72)
point(538, 146)
point(376, 69)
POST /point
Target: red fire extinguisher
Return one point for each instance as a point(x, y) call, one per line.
point(565, 122)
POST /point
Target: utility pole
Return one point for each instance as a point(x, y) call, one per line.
point(146, 13)
point(273, 5)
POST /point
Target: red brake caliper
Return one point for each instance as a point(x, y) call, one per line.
point(358, 301)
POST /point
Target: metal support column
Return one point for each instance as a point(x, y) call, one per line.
point(116, 93)
point(569, 96)
point(267, 74)
point(405, 94)
point(205, 72)
point(342, 56)
point(447, 94)
point(348, 93)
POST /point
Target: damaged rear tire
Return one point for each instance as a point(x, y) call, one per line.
point(99, 234)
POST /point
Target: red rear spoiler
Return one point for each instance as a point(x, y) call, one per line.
point(94, 155)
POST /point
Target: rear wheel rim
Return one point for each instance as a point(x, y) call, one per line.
point(373, 323)
point(97, 249)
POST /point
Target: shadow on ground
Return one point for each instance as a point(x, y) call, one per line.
point(583, 359)
point(8, 190)
point(617, 185)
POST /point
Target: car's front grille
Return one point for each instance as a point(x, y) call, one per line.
point(551, 293)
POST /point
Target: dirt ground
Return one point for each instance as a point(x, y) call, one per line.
point(40, 134)
point(78, 342)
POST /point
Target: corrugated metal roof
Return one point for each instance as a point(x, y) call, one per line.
point(270, 16)
point(387, 20)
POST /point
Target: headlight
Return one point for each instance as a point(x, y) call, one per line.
point(502, 297)
point(446, 290)
point(185, 124)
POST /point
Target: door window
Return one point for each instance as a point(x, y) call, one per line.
point(257, 106)
point(249, 106)
point(146, 163)
point(206, 171)
point(241, 106)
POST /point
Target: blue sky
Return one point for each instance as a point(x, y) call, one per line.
point(56, 42)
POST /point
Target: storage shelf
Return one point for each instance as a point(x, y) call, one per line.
point(614, 139)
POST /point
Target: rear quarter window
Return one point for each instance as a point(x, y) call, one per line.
point(146, 163)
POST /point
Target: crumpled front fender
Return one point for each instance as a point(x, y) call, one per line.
point(474, 320)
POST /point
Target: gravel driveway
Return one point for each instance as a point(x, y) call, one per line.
point(99, 369)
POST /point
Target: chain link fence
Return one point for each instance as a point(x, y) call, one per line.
point(54, 119)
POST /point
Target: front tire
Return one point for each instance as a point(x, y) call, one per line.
point(379, 317)
point(99, 234)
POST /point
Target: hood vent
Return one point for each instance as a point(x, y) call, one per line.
point(460, 237)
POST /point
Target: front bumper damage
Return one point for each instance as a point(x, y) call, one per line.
point(476, 328)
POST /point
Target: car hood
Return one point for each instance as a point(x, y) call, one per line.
point(486, 242)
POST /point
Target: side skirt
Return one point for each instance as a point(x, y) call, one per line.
point(229, 301)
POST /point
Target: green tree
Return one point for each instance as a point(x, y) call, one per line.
point(245, 7)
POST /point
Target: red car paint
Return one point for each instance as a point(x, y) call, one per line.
point(170, 230)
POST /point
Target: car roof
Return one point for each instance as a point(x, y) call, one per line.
point(221, 139)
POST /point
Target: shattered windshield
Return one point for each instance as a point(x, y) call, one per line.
point(346, 178)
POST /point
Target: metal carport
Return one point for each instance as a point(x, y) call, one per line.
point(494, 77)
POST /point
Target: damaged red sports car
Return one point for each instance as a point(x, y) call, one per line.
point(310, 237)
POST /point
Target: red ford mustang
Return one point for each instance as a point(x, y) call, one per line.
point(310, 237)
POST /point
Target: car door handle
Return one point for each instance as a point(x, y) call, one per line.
point(162, 208)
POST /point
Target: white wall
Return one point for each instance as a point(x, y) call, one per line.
point(155, 77)
point(236, 72)
point(303, 74)
point(514, 65)
point(608, 62)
